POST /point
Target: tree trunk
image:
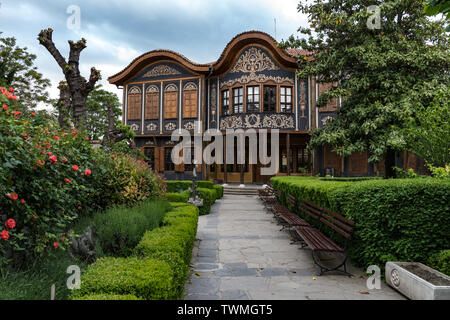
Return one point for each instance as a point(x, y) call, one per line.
point(389, 164)
point(64, 105)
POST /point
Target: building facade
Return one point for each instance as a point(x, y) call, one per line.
point(253, 85)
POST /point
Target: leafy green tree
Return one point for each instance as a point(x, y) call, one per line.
point(383, 71)
point(429, 133)
point(17, 70)
point(435, 7)
point(97, 104)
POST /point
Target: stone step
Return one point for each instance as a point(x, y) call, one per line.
point(241, 190)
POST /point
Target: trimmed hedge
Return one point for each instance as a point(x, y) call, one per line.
point(149, 279)
point(159, 268)
point(178, 186)
point(219, 191)
point(205, 184)
point(400, 220)
point(108, 297)
point(440, 261)
point(178, 197)
point(209, 197)
point(173, 243)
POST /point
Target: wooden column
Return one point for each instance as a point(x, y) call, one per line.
point(243, 165)
point(288, 149)
point(225, 160)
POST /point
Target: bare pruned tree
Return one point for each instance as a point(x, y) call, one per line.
point(78, 86)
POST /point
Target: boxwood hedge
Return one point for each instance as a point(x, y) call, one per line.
point(157, 270)
point(396, 219)
point(178, 197)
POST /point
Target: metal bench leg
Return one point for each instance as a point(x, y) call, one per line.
point(324, 269)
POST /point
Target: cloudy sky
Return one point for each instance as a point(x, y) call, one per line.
point(117, 31)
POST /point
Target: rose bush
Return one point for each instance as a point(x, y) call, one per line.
point(48, 178)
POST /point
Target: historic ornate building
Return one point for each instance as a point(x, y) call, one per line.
point(253, 84)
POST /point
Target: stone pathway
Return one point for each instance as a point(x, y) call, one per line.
point(241, 254)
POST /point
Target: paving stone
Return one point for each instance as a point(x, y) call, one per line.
point(206, 266)
point(223, 273)
point(235, 295)
point(272, 272)
point(208, 244)
point(203, 286)
point(207, 259)
point(244, 272)
point(207, 252)
point(237, 265)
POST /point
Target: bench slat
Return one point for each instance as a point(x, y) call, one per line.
point(316, 240)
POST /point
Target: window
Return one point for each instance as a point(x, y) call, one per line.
point(253, 99)
point(190, 100)
point(150, 154)
point(226, 102)
point(238, 100)
point(286, 99)
point(134, 104)
point(152, 102)
point(170, 102)
point(303, 160)
point(168, 164)
point(270, 99)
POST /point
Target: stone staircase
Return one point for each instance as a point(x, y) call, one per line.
point(247, 189)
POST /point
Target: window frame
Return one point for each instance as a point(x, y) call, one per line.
point(170, 163)
point(285, 104)
point(252, 94)
point(225, 107)
point(274, 88)
point(240, 103)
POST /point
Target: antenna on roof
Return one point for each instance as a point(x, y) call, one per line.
point(275, 22)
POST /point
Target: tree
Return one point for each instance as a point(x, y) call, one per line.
point(17, 70)
point(382, 72)
point(99, 101)
point(435, 7)
point(429, 134)
point(78, 86)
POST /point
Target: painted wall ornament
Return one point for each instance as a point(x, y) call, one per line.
point(134, 127)
point(279, 121)
point(134, 90)
point(152, 89)
point(170, 126)
point(161, 70)
point(255, 77)
point(189, 125)
point(190, 86)
point(152, 126)
point(171, 88)
point(258, 121)
point(254, 60)
point(213, 103)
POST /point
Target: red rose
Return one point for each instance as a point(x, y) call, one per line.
point(56, 245)
point(79, 208)
point(53, 159)
point(10, 223)
point(87, 172)
point(75, 167)
point(13, 196)
point(57, 138)
point(4, 235)
point(87, 138)
point(41, 163)
point(67, 180)
point(5, 107)
point(11, 89)
point(33, 113)
point(22, 201)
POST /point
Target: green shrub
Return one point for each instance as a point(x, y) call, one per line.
point(219, 191)
point(118, 230)
point(178, 197)
point(208, 196)
point(173, 242)
point(178, 186)
point(440, 261)
point(104, 296)
point(148, 279)
point(205, 184)
point(405, 219)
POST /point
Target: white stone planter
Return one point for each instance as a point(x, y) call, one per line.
point(413, 286)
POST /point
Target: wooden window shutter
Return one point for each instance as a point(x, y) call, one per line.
point(151, 105)
point(190, 104)
point(170, 102)
point(161, 159)
point(134, 104)
point(157, 159)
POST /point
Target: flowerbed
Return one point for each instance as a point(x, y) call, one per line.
point(50, 177)
point(159, 268)
point(396, 220)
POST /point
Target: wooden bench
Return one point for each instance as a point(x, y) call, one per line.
point(286, 217)
point(268, 196)
point(317, 241)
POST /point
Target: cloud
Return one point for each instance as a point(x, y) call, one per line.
point(117, 31)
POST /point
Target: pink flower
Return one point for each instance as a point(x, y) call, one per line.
point(57, 138)
point(87, 172)
point(4, 235)
point(53, 159)
point(10, 223)
point(67, 180)
point(75, 167)
point(56, 245)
